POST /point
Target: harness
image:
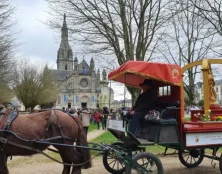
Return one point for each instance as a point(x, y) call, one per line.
point(32, 143)
point(10, 119)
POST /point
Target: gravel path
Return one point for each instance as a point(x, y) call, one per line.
point(40, 164)
point(171, 165)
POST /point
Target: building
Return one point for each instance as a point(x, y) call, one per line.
point(200, 91)
point(117, 104)
point(80, 85)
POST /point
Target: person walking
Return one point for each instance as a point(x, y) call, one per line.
point(97, 117)
point(84, 116)
point(104, 117)
point(73, 112)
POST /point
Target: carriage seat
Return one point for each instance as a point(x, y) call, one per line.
point(159, 131)
point(168, 110)
point(163, 130)
point(168, 105)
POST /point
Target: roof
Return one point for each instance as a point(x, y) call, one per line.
point(134, 72)
point(60, 74)
point(122, 101)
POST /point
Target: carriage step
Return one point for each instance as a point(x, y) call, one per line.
point(144, 141)
point(140, 141)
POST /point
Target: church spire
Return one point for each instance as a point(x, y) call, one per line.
point(64, 30)
point(65, 54)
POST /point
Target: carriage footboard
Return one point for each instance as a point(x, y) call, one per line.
point(159, 131)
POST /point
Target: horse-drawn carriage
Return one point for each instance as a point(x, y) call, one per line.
point(35, 132)
point(171, 130)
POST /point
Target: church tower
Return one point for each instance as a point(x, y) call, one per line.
point(64, 55)
point(92, 67)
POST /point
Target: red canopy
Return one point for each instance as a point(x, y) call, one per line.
point(134, 72)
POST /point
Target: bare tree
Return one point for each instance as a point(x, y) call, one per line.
point(49, 90)
point(191, 39)
point(6, 93)
point(32, 86)
point(125, 29)
point(6, 46)
point(6, 39)
point(211, 11)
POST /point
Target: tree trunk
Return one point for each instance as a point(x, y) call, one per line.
point(135, 92)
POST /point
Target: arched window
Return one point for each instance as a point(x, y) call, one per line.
point(66, 67)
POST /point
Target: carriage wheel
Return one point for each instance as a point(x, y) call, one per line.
point(191, 158)
point(220, 163)
point(148, 161)
point(112, 163)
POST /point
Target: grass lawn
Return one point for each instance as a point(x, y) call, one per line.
point(187, 118)
point(106, 138)
point(92, 127)
point(109, 138)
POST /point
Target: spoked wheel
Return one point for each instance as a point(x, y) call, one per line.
point(112, 163)
point(191, 158)
point(149, 162)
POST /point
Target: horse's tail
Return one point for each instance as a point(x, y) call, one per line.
point(82, 141)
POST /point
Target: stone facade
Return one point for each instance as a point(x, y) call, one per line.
point(199, 92)
point(79, 84)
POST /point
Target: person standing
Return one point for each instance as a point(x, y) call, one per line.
point(105, 116)
point(97, 117)
point(84, 116)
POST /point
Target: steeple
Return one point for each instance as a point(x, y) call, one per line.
point(64, 30)
point(92, 68)
point(65, 54)
point(92, 65)
point(98, 74)
point(76, 64)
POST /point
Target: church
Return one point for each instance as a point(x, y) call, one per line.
point(79, 83)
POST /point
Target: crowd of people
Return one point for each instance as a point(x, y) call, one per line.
point(97, 116)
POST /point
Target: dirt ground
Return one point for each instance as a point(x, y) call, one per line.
point(40, 164)
point(171, 165)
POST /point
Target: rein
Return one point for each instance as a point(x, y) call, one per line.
point(6, 141)
point(31, 147)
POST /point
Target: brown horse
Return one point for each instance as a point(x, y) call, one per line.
point(44, 125)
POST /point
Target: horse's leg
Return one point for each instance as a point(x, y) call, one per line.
point(70, 156)
point(62, 152)
point(76, 159)
point(3, 160)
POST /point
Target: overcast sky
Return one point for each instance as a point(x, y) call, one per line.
point(39, 43)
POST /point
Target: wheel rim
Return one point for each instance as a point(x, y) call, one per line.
point(148, 164)
point(191, 158)
point(114, 162)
